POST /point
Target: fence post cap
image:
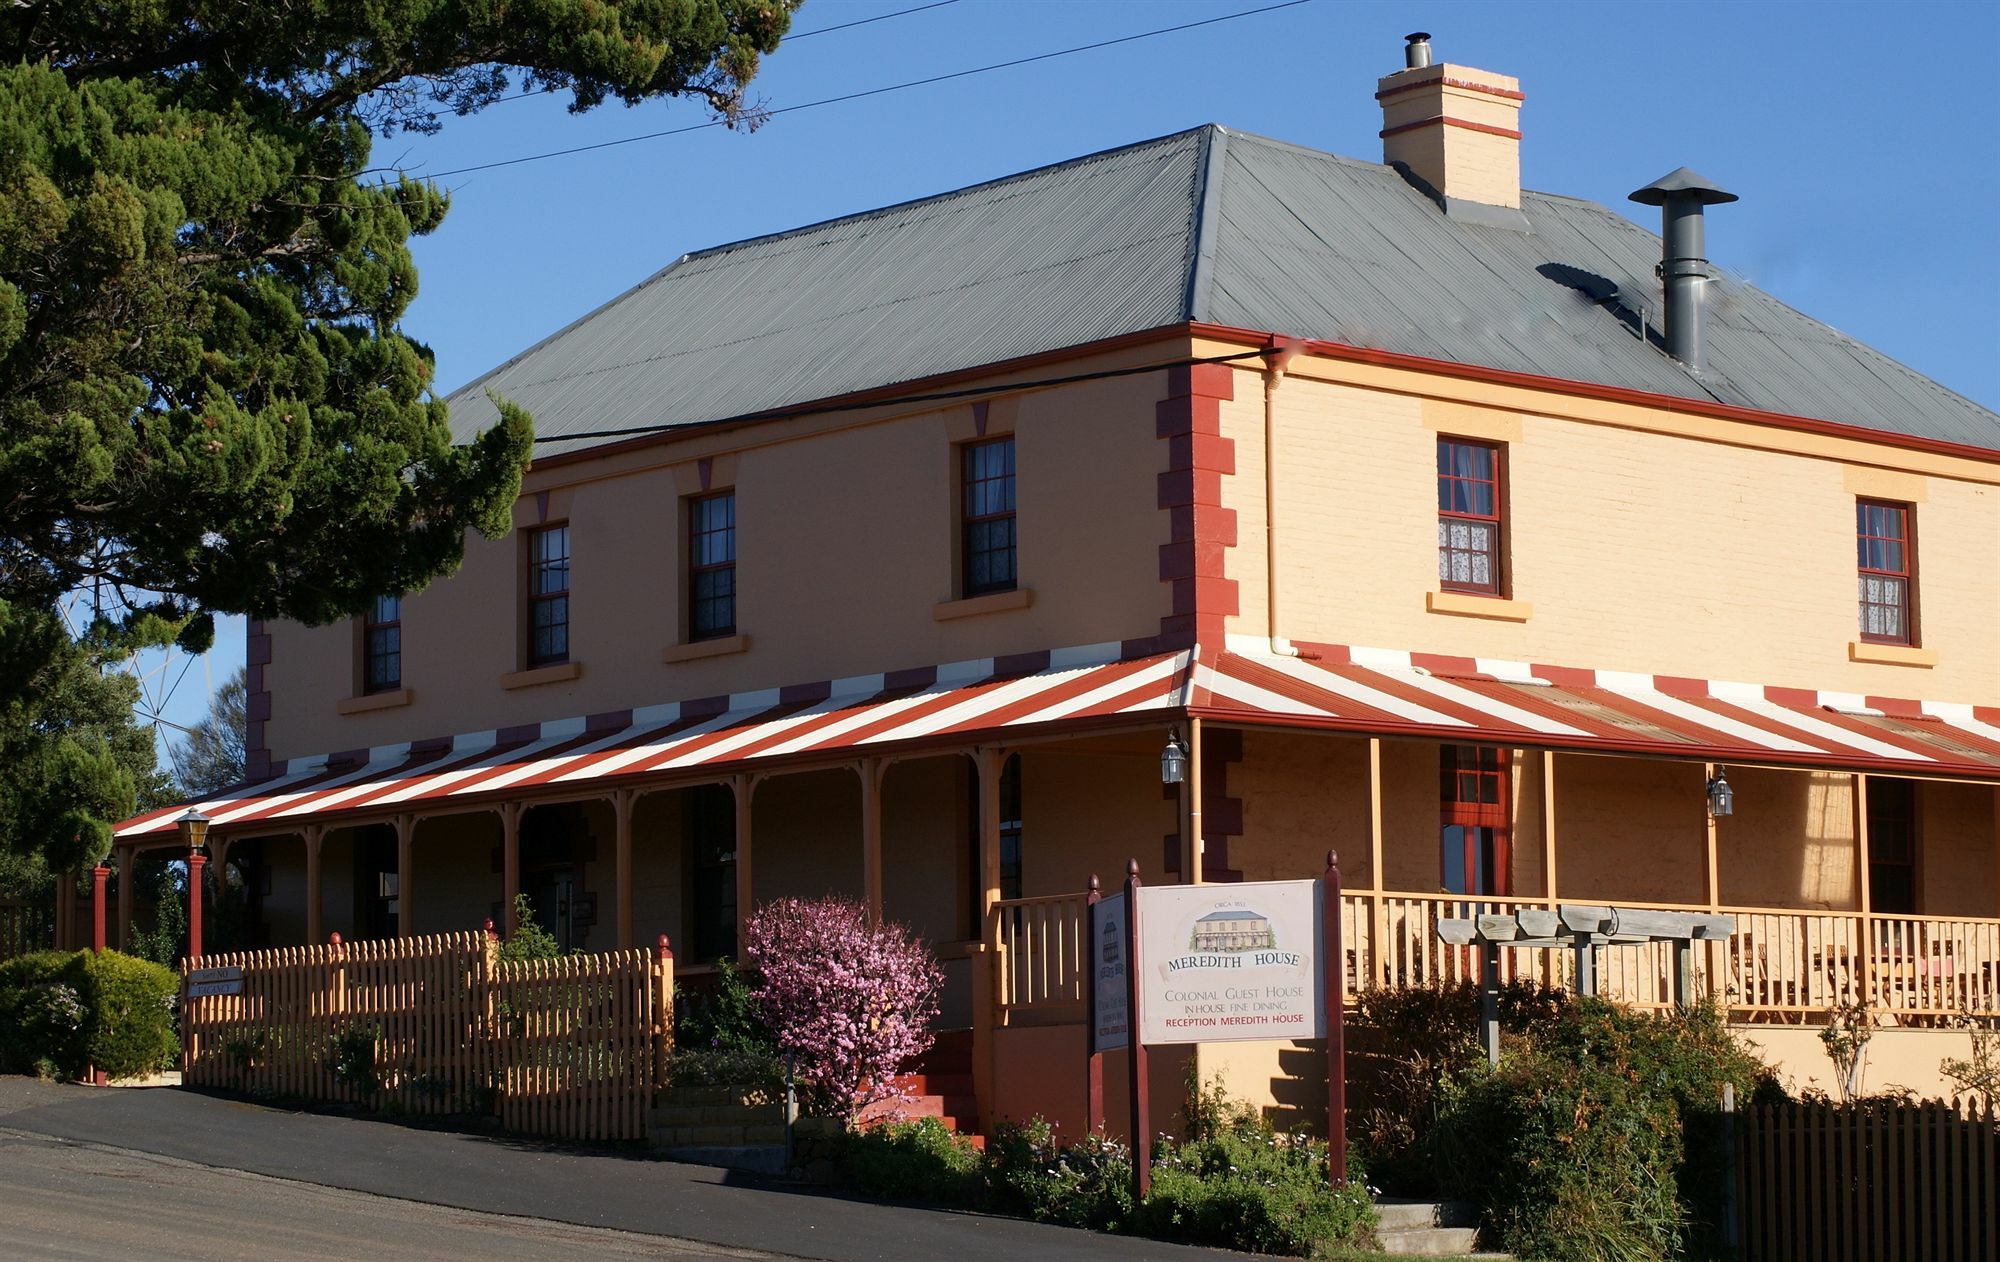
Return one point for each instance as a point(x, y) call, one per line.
point(334, 938)
point(489, 926)
point(665, 949)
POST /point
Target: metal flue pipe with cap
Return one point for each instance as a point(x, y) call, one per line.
point(1416, 50)
point(1684, 271)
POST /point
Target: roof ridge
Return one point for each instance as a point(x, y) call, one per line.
point(1204, 211)
point(964, 190)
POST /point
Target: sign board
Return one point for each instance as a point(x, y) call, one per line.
point(1226, 963)
point(1106, 956)
point(214, 981)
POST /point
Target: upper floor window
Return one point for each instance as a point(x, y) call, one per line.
point(1473, 849)
point(1885, 554)
point(548, 595)
point(712, 566)
point(1471, 510)
point(986, 517)
point(382, 645)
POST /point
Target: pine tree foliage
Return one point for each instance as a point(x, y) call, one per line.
point(207, 403)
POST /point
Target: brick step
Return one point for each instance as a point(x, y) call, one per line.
point(927, 1083)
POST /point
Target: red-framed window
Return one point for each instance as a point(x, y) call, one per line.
point(548, 595)
point(712, 566)
point(382, 645)
point(1892, 846)
point(986, 517)
point(1472, 817)
point(1885, 555)
point(1471, 516)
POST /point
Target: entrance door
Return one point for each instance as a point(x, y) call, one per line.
point(1473, 849)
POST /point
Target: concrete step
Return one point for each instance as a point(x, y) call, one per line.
point(1429, 1242)
point(1398, 1213)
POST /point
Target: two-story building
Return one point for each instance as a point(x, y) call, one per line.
point(888, 555)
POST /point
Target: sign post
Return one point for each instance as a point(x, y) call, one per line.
point(1142, 1139)
point(1333, 965)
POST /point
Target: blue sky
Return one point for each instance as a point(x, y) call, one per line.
point(1856, 134)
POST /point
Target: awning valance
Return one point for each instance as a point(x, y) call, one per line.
point(868, 714)
point(1484, 701)
point(1334, 687)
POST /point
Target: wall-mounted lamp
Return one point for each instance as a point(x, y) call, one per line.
point(1173, 760)
point(1721, 798)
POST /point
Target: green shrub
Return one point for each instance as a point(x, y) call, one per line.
point(1409, 1040)
point(1236, 1184)
point(914, 1161)
point(722, 1018)
point(1030, 1173)
point(66, 1011)
point(131, 1006)
point(41, 1015)
point(351, 1053)
point(529, 941)
point(1598, 1139)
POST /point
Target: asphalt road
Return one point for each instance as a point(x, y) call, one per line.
point(351, 1187)
point(87, 1203)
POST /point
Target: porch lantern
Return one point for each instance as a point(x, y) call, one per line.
point(1173, 760)
point(194, 828)
point(1721, 798)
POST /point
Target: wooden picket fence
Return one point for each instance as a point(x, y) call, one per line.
point(1874, 1180)
point(569, 1048)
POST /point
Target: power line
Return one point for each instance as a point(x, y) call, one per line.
point(789, 38)
point(868, 92)
point(822, 30)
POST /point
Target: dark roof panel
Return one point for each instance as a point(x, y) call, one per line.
point(1206, 225)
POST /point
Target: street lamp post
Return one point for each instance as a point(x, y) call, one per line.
point(194, 832)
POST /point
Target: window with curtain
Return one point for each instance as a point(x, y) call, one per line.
point(986, 517)
point(1887, 565)
point(382, 645)
point(1471, 514)
point(548, 595)
point(712, 566)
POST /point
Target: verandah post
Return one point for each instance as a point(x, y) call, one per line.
point(1333, 971)
point(1142, 1141)
point(98, 876)
point(1093, 1075)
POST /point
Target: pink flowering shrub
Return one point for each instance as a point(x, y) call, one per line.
point(851, 1002)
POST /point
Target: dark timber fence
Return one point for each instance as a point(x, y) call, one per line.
point(1823, 1182)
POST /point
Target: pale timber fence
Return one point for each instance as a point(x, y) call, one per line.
point(1780, 964)
point(568, 1048)
point(1820, 1182)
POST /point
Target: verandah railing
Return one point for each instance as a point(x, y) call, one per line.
point(568, 1048)
point(1780, 964)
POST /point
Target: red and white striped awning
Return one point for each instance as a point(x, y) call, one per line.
point(873, 713)
point(1485, 701)
point(1378, 691)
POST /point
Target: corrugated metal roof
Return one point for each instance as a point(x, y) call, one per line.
point(1209, 225)
point(1055, 257)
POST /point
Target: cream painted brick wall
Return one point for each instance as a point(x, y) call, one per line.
point(1638, 551)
